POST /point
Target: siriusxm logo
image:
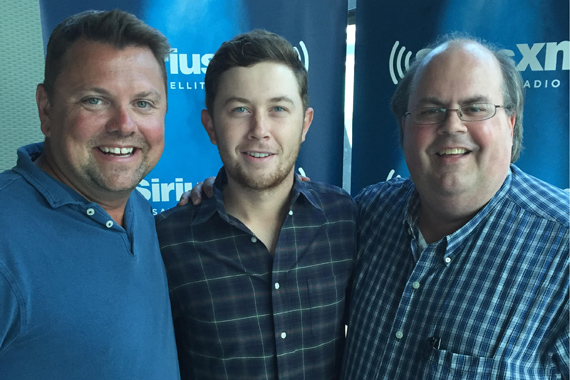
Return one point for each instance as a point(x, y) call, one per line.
point(178, 63)
point(303, 57)
point(193, 64)
point(543, 56)
point(157, 191)
point(197, 64)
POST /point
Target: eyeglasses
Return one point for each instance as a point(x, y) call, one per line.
point(470, 112)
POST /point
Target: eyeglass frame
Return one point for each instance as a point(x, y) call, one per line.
point(458, 112)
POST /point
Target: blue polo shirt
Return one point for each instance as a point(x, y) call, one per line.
point(80, 296)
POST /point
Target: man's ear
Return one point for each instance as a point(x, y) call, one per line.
point(208, 124)
point(512, 120)
point(307, 120)
point(44, 109)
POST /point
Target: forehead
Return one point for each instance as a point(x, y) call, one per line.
point(458, 73)
point(90, 59)
point(262, 81)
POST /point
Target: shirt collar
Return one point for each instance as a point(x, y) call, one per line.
point(300, 191)
point(55, 192)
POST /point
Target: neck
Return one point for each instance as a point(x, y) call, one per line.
point(262, 211)
point(435, 224)
point(114, 207)
point(442, 214)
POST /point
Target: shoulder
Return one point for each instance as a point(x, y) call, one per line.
point(390, 193)
point(326, 195)
point(16, 191)
point(325, 189)
point(538, 197)
point(169, 222)
point(9, 180)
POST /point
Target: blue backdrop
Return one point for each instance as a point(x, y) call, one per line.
point(196, 29)
point(389, 34)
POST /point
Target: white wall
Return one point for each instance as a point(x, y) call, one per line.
point(21, 69)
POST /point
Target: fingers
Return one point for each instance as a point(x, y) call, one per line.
point(208, 187)
point(184, 199)
point(196, 194)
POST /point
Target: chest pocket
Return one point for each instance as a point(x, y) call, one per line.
point(446, 365)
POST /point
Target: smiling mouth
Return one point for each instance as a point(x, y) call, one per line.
point(258, 155)
point(116, 151)
point(452, 151)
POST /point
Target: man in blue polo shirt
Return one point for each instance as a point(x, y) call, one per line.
point(83, 292)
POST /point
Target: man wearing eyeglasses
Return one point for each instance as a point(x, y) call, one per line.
point(462, 270)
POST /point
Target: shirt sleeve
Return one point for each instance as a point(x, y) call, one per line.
point(10, 311)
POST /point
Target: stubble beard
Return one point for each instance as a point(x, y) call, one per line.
point(261, 182)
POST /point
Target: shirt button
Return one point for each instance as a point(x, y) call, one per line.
point(399, 334)
point(109, 223)
point(447, 260)
point(90, 211)
point(290, 212)
point(253, 239)
point(283, 335)
point(276, 285)
point(416, 285)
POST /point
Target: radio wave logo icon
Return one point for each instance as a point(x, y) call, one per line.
point(305, 57)
point(396, 61)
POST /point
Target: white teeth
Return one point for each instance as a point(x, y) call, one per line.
point(118, 151)
point(452, 151)
point(258, 155)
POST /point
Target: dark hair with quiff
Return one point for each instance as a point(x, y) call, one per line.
point(117, 28)
point(248, 49)
point(513, 86)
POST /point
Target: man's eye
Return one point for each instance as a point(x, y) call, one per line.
point(240, 109)
point(278, 109)
point(474, 109)
point(93, 101)
point(429, 111)
point(142, 104)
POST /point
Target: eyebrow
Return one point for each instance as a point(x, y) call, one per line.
point(277, 99)
point(142, 94)
point(462, 102)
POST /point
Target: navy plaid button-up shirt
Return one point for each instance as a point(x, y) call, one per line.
point(489, 301)
point(240, 313)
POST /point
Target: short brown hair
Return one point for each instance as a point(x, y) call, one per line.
point(117, 28)
point(248, 49)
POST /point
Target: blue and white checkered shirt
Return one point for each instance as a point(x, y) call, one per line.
point(489, 301)
point(240, 313)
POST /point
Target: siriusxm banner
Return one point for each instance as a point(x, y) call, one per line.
point(389, 35)
point(196, 29)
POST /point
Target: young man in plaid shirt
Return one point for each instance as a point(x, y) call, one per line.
point(258, 273)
